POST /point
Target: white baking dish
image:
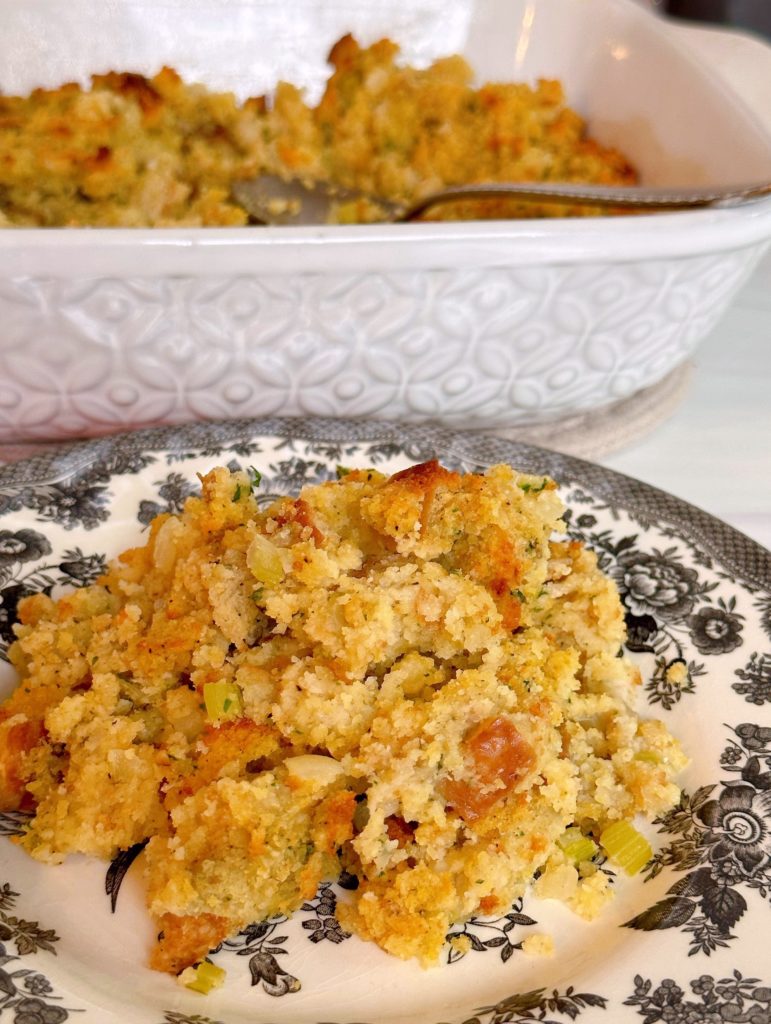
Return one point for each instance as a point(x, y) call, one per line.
point(475, 324)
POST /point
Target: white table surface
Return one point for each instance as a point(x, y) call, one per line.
point(715, 450)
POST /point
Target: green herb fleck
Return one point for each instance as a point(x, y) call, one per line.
point(237, 493)
point(255, 476)
point(529, 488)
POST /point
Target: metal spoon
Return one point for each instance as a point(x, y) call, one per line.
point(273, 200)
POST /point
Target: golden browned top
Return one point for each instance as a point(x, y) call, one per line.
point(134, 151)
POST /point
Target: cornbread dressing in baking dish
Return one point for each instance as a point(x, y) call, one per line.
point(134, 151)
point(405, 678)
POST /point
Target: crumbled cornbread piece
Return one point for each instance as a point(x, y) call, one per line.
point(538, 945)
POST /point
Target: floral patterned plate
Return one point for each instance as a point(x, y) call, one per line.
point(687, 941)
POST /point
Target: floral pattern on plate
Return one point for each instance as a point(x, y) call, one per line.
point(698, 609)
point(723, 844)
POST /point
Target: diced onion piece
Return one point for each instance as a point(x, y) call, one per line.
point(575, 845)
point(316, 768)
point(222, 700)
point(264, 560)
point(203, 978)
point(166, 544)
point(626, 847)
point(559, 882)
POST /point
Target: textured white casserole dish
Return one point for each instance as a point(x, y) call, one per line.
point(474, 324)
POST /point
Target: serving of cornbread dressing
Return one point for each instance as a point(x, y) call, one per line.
point(134, 151)
point(407, 678)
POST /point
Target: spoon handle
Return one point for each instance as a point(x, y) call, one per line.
point(274, 200)
point(643, 197)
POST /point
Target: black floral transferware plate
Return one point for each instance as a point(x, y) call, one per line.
point(685, 942)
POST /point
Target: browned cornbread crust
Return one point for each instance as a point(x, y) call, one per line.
point(134, 151)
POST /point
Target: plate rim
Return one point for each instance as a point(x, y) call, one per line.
point(648, 505)
point(746, 559)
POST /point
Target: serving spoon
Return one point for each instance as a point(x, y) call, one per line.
point(270, 199)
